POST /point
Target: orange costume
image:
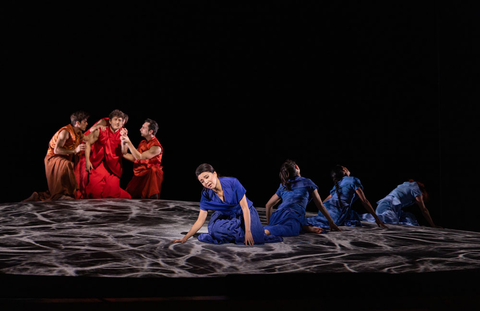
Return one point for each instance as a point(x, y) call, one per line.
point(59, 169)
point(104, 178)
point(148, 174)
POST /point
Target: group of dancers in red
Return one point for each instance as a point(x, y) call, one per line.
point(84, 164)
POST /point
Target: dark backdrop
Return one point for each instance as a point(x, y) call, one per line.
point(387, 89)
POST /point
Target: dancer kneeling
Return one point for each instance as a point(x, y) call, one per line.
point(389, 209)
point(347, 189)
point(295, 192)
point(235, 220)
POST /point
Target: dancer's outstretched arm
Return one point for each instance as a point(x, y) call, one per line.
point(202, 216)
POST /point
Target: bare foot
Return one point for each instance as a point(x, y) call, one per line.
point(313, 229)
point(33, 197)
point(267, 232)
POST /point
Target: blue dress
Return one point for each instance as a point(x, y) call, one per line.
point(227, 223)
point(289, 217)
point(341, 215)
point(389, 209)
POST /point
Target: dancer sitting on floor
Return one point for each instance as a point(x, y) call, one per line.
point(346, 190)
point(235, 220)
point(147, 169)
point(295, 192)
point(389, 209)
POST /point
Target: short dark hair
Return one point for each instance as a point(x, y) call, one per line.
point(78, 116)
point(116, 113)
point(152, 125)
point(205, 167)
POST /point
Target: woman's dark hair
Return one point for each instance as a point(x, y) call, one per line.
point(287, 171)
point(425, 195)
point(205, 167)
point(337, 174)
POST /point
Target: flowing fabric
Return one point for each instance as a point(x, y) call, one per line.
point(60, 169)
point(96, 156)
point(104, 179)
point(148, 174)
point(226, 224)
point(289, 218)
point(342, 214)
point(389, 209)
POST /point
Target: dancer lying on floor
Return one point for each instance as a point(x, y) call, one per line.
point(389, 209)
point(295, 192)
point(347, 189)
point(235, 220)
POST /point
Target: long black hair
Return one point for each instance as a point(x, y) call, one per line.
point(287, 171)
point(337, 174)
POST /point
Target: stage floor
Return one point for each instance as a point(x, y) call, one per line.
point(131, 239)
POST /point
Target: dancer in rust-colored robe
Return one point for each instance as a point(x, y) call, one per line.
point(61, 159)
point(148, 172)
point(105, 168)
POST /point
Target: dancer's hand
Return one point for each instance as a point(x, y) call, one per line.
point(249, 239)
point(88, 166)
point(334, 227)
point(381, 224)
point(182, 240)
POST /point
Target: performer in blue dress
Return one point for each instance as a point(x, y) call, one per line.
point(295, 192)
point(347, 189)
point(389, 209)
point(235, 220)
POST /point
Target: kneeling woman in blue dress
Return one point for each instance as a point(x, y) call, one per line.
point(295, 192)
point(347, 189)
point(389, 209)
point(235, 220)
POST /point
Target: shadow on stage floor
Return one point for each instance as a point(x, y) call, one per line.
point(115, 254)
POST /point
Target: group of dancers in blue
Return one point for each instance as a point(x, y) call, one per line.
point(235, 219)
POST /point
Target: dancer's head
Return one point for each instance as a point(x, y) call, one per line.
point(79, 119)
point(288, 170)
point(338, 172)
point(116, 119)
point(149, 128)
point(422, 188)
point(206, 175)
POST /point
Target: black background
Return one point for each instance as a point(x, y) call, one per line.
point(388, 89)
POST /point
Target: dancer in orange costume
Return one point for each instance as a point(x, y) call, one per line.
point(147, 158)
point(105, 169)
point(61, 160)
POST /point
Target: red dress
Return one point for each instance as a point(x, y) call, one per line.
point(104, 178)
point(96, 157)
point(148, 174)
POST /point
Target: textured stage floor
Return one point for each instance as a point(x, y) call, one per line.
point(129, 241)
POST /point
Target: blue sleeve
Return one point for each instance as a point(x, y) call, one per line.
point(238, 190)
point(357, 184)
point(311, 187)
point(415, 190)
point(279, 192)
point(204, 201)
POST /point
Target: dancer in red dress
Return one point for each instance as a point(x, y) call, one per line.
point(105, 168)
point(147, 158)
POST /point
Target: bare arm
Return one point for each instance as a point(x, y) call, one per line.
point(246, 217)
point(62, 138)
point(366, 204)
point(270, 204)
point(202, 216)
point(323, 210)
point(150, 153)
point(91, 139)
point(327, 198)
point(425, 211)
